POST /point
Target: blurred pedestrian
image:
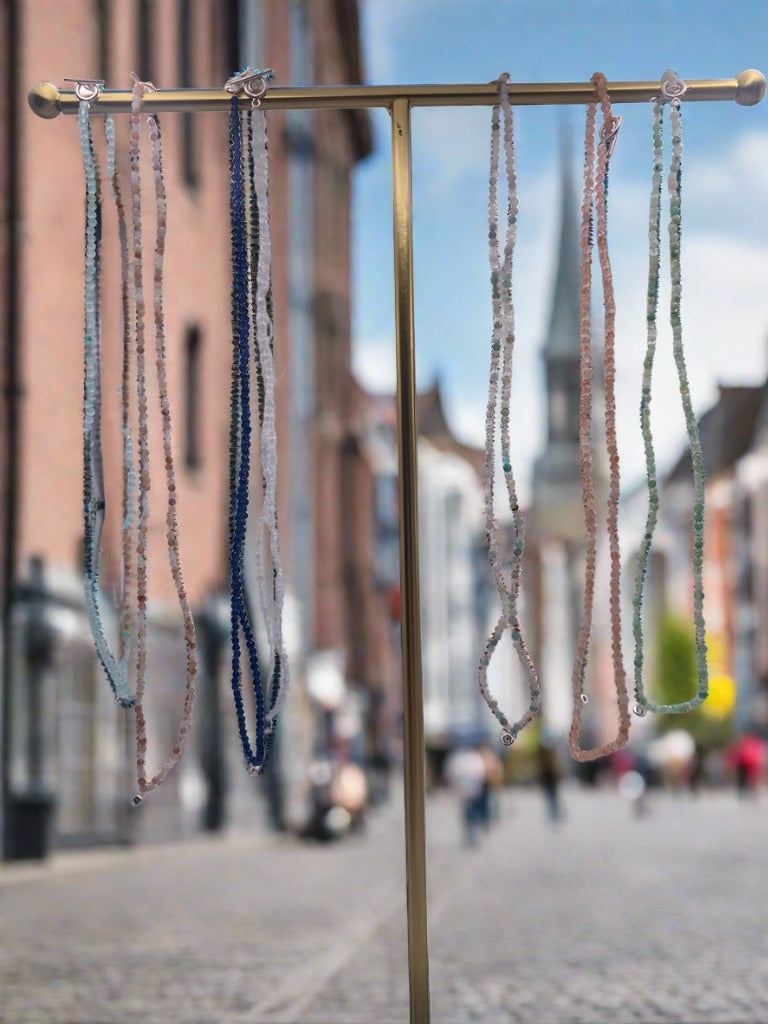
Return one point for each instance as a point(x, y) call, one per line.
point(696, 769)
point(494, 780)
point(633, 789)
point(747, 759)
point(350, 791)
point(549, 777)
point(465, 774)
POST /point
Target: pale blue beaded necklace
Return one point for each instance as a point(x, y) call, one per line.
point(94, 505)
point(672, 88)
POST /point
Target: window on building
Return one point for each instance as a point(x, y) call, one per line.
point(101, 12)
point(145, 39)
point(186, 80)
point(192, 398)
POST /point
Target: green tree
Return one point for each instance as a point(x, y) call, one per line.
point(675, 660)
point(676, 681)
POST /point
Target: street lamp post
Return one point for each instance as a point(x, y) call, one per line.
point(29, 814)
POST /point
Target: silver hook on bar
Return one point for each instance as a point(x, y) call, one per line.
point(146, 86)
point(609, 133)
point(672, 87)
point(87, 89)
point(252, 81)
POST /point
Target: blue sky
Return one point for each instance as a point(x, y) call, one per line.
point(725, 196)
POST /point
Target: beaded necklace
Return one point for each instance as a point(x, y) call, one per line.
point(94, 503)
point(272, 584)
point(596, 195)
point(146, 784)
point(252, 327)
point(139, 311)
point(240, 434)
point(502, 341)
point(129, 475)
point(672, 89)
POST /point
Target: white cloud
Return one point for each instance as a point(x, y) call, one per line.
point(373, 364)
point(467, 420)
point(384, 22)
point(451, 143)
point(725, 299)
point(724, 306)
point(729, 191)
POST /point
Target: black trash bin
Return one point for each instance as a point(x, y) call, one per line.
point(30, 821)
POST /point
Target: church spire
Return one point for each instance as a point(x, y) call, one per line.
point(556, 478)
point(563, 335)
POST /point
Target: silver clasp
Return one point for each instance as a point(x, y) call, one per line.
point(87, 89)
point(145, 86)
point(609, 133)
point(252, 81)
point(672, 88)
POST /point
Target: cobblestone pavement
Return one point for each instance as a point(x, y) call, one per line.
point(604, 918)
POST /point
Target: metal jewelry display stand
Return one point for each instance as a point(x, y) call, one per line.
point(747, 89)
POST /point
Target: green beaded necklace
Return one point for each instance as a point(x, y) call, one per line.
point(672, 88)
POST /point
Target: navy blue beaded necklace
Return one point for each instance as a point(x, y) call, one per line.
point(255, 256)
point(239, 466)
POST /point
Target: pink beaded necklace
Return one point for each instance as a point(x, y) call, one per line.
point(147, 784)
point(595, 194)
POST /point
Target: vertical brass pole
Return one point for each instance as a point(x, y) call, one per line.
point(413, 712)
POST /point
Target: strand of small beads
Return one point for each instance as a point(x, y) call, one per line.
point(596, 195)
point(269, 583)
point(253, 250)
point(139, 304)
point(264, 323)
point(97, 461)
point(254, 240)
point(93, 484)
point(172, 534)
point(502, 344)
point(671, 91)
point(240, 455)
point(129, 476)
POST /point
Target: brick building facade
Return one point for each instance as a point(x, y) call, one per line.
point(171, 42)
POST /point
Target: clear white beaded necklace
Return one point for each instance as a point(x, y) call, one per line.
point(502, 343)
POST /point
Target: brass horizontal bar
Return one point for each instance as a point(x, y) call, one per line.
point(49, 101)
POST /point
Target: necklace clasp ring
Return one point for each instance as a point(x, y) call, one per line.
point(87, 89)
point(609, 133)
point(252, 81)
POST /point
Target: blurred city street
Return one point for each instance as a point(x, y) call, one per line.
point(604, 917)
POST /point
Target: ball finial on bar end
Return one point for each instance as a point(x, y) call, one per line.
point(43, 98)
point(751, 87)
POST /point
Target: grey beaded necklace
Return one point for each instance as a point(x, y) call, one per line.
point(672, 88)
point(502, 343)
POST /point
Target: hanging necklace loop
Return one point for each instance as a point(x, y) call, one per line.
point(595, 209)
point(253, 336)
point(670, 91)
point(94, 502)
point(501, 254)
